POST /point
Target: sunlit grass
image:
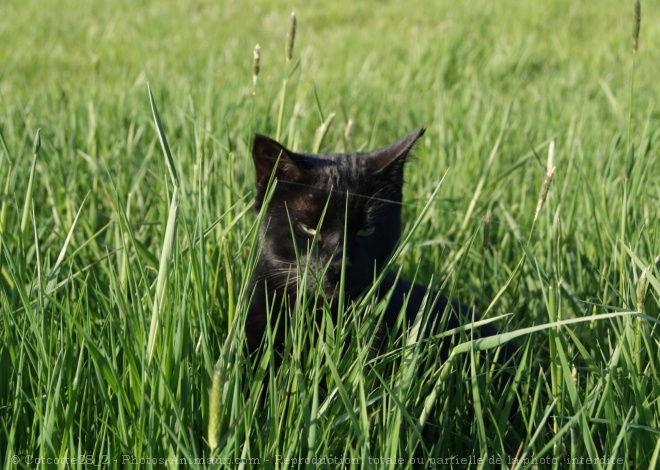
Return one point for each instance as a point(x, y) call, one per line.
point(127, 235)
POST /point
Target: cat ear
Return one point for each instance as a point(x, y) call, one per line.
point(266, 153)
point(391, 159)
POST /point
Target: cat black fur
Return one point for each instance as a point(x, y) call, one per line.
point(360, 195)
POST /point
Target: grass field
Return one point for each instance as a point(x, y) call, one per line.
point(123, 274)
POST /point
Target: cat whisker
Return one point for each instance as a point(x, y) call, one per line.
point(286, 284)
point(377, 193)
point(282, 261)
point(277, 274)
point(277, 281)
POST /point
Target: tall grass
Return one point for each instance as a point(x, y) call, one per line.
point(128, 237)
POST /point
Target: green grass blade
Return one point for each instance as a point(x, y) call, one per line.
point(164, 268)
point(169, 161)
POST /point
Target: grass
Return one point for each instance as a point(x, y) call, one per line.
point(124, 265)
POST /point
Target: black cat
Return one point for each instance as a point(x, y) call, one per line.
point(333, 209)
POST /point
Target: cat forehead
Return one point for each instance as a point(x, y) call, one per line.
point(334, 180)
point(333, 206)
point(340, 172)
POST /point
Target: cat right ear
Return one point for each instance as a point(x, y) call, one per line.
point(267, 154)
point(391, 159)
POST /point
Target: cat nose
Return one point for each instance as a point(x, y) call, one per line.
point(333, 273)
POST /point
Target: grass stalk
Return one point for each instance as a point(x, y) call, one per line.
point(30, 186)
point(118, 308)
point(164, 268)
point(168, 250)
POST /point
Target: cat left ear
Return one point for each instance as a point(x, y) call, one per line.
point(266, 154)
point(393, 157)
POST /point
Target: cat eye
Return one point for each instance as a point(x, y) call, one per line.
point(307, 230)
point(366, 232)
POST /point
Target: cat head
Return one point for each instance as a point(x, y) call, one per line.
point(330, 210)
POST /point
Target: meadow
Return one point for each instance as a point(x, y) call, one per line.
point(128, 236)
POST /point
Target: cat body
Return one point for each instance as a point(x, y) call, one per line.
point(329, 211)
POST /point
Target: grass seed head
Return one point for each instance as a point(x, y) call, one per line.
point(637, 21)
point(36, 145)
point(256, 64)
point(214, 409)
point(291, 37)
point(641, 291)
point(547, 180)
